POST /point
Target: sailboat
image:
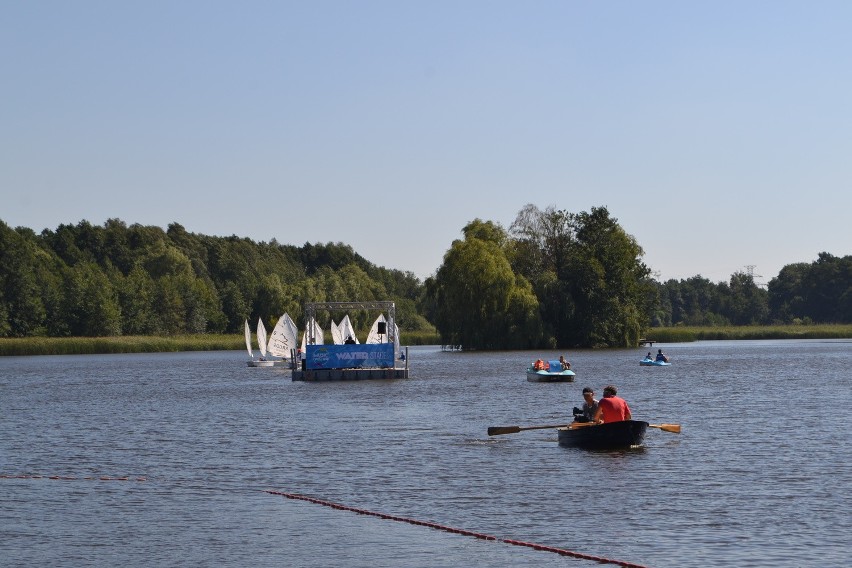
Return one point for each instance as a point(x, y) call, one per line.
point(318, 337)
point(283, 339)
point(335, 334)
point(346, 330)
point(396, 348)
point(374, 335)
point(261, 342)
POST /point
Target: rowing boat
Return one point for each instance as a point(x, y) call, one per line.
point(653, 363)
point(608, 436)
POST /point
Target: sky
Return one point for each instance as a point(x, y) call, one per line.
point(718, 133)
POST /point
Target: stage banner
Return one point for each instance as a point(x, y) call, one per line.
point(355, 356)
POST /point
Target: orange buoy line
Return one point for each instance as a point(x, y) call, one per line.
point(73, 478)
point(553, 549)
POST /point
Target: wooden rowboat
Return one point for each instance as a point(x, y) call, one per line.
point(608, 436)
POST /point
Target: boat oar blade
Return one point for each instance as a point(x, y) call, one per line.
point(675, 428)
point(497, 430)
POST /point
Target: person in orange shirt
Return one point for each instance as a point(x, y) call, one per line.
point(612, 408)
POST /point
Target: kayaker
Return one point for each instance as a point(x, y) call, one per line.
point(612, 408)
point(661, 357)
point(565, 364)
point(590, 406)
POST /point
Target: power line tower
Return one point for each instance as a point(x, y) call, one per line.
point(750, 272)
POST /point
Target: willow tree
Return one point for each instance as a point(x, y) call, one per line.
point(477, 300)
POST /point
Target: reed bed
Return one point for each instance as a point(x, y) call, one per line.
point(155, 344)
point(124, 344)
point(151, 344)
point(687, 334)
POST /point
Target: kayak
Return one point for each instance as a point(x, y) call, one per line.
point(653, 363)
point(608, 436)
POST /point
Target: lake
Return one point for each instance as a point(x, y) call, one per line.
point(189, 446)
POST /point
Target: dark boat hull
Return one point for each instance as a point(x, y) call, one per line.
point(604, 436)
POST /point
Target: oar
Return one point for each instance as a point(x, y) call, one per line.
point(667, 427)
point(497, 430)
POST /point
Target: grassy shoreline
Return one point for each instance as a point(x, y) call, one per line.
point(149, 344)
point(687, 334)
point(154, 344)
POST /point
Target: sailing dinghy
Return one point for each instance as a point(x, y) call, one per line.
point(261, 343)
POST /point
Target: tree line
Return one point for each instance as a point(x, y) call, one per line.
point(552, 279)
point(115, 279)
point(560, 279)
point(802, 293)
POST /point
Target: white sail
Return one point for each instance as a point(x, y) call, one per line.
point(248, 340)
point(318, 337)
point(283, 337)
point(261, 337)
point(374, 336)
point(346, 329)
point(336, 338)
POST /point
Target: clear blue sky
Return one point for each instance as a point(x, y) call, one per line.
point(718, 133)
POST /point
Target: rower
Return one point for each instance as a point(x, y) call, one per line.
point(612, 408)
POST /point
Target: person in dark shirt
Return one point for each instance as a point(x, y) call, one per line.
point(590, 406)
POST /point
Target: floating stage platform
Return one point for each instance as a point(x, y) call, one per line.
point(380, 357)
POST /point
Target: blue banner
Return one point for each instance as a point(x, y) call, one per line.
point(357, 356)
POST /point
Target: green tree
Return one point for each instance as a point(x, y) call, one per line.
point(819, 292)
point(746, 303)
point(136, 297)
point(476, 296)
point(91, 305)
point(22, 312)
point(587, 274)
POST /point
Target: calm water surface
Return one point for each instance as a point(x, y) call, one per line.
point(760, 476)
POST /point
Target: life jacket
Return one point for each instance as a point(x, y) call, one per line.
point(539, 365)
